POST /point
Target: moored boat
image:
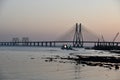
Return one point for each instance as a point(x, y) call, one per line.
point(66, 47)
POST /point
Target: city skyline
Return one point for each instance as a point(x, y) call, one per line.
point(48, 19)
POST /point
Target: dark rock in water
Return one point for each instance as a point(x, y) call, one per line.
point(110, 59)
point(118, 55)
point(116, 67)
point(115, 51)
point(71, 53)
point(83, 65)
point(57, 56)
point(100, 64)
point(110, 68)
point(46, 60)
point(32, 58)
point(51, 59)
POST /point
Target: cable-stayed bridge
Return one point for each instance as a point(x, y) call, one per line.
point(78, 36)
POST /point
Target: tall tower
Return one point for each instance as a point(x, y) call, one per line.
point(78, 38)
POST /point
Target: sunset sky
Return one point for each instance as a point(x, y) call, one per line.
point(49, 19)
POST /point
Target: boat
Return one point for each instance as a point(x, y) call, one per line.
point(66, 47)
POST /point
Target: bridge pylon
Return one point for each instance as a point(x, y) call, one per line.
point(78, 37)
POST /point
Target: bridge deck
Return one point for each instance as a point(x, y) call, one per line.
point(54, 43)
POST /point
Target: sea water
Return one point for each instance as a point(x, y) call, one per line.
point(28, 63)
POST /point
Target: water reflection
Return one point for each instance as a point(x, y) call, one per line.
point(58, 66)
point(77, 71)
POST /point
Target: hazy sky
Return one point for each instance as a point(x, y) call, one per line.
point(48, 19)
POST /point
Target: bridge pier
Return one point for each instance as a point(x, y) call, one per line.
point(30, 43)
point(50, 44)
point(54, 44)
point(33, 43)
point(37, 43)
point(46, 44)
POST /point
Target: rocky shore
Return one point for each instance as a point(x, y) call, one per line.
point(102, 61)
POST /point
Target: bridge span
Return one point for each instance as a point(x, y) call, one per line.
point(79, 40)
point(57, 43)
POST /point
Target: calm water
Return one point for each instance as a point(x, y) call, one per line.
point(26, 63)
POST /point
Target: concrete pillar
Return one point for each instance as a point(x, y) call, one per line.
point(46, 44)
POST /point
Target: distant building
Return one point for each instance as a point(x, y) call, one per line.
point(16, 39)
point(25, 39)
